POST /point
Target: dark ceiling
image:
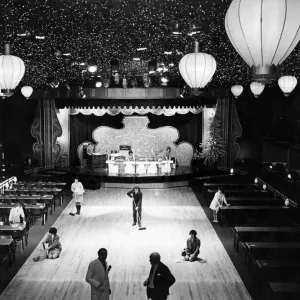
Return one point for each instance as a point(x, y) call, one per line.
point(114, 29)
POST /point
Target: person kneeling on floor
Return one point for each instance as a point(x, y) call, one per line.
point(52, 246)
point(191, 252)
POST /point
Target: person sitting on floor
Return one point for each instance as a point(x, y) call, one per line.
point(16, 214)
point(191, 252)
point(54, 246)
point(217, 203)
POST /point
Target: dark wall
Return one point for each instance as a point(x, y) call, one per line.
point(17, 116)
point(270, 115)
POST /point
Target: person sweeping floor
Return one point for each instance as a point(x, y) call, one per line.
point(137, 197)
point(78, 191)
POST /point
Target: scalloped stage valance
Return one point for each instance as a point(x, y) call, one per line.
point(113, 111)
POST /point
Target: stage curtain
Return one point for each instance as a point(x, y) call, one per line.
point(82, 126)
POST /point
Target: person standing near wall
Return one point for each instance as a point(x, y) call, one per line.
point(78, 191)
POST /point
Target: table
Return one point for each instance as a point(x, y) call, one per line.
point(240, 230)
point(8, 243)
point(10, 230)
point(266, 245)
point(252, 207)
point(55, 191)
point(165, 166)
point(96, 160)
point(40, 206)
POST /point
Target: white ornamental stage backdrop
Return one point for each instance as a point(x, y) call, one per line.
point(163, 137)
point(144, 141)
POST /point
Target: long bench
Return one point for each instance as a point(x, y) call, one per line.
point(238, 210)
point(243, 233)
point(252, 247)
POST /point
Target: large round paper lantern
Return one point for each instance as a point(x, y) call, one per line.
point(237, 90)
point(26, 91)
point(12, 70)
point(264, 33)
point(287, 84)
point(197, 69)
point(257, 88)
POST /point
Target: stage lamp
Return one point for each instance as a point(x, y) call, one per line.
point(67, 86)
point(114, 64)
point(92, 65)
point(194, 28)
point(81, 93)
point(117, 78)
point(176, 28)
point(264, 187)
point(22, 32)
point(40, 35)
point(54, 83)
point(152, 66)
point(141, 48)
point(106, 83)
point(26, 91)
point(136, 57)
point(98, 84)
point(168, 52)
point(184, 91)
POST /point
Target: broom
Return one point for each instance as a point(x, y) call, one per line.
point(139, 217)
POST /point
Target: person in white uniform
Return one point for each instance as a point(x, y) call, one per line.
point(217, 203)
point(97, 277)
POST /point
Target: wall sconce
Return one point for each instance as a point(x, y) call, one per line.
point(264, 187)
point(231, 171)
point(256, 180)
point(286, 202)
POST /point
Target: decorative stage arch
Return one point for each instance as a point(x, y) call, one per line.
point(143, 141)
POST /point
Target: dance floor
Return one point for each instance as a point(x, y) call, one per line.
point(106, 221)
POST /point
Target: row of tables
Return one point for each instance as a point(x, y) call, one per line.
point(139, 167)
point(31, 200)
point(271, 252)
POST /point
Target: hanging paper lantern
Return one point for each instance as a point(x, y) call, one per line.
point(264, 33)
point(287, 84)
point(237, 90)
point(257, 88)
point(26, 91)
point(197, 69)
point(12, 70)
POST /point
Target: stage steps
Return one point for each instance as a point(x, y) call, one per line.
point(150, 185)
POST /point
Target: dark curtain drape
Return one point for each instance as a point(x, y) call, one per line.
point(189, 127)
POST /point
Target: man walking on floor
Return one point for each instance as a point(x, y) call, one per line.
point(160, 279)
point(137, 197)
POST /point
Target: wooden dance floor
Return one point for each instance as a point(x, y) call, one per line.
point(106, 221)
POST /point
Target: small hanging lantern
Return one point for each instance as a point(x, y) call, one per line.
point(257, 88)
point(237, 90)
point(197, 69)
point(12, 70)
point(26, 91)
point(287, 84)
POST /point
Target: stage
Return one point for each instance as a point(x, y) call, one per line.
point(105, 221)
point(178, 177)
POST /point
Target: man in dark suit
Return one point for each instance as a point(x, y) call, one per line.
point(137, 197)
point(160, 279)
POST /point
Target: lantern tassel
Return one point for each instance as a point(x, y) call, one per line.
point(6, 49)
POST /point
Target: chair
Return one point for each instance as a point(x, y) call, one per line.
point(6, 253)
point(34, 213)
